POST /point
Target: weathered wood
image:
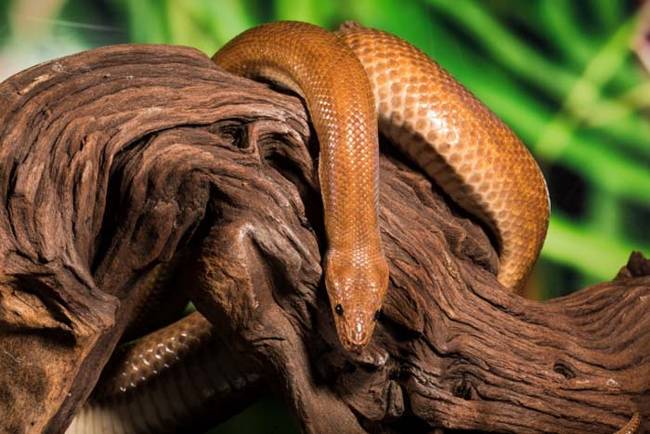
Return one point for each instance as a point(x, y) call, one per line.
point(107, 161)
point(114, 159)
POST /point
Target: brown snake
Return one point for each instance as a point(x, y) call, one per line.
point(178, 376)
point(353, 80)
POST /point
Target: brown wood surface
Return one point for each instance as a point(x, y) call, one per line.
point(113, 160)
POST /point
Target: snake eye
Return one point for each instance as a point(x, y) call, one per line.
point(338, 309)
point(377, 314)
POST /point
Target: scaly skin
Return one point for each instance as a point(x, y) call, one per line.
point(313, 62)
point(632, 426)
point(168, 379)
point(459, 143)
point(345, 79)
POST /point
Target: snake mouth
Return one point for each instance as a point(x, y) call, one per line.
point(355, 328)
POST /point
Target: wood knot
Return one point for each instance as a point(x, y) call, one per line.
point(237, 136)
point(463, 389)
point(564, 370)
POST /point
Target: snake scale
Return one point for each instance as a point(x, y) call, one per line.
point(358, 80)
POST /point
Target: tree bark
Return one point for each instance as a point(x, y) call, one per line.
point(113, 160)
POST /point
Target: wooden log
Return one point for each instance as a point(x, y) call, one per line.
point(113, 160)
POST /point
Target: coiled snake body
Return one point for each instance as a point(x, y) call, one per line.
point(357, 78)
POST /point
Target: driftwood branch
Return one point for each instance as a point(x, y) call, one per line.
point(114, 160)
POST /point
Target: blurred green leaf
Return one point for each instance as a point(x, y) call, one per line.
point(568, 243)
point(310, 11)
point(557, 81)
point(583, 101)
point(224, 19)
point(610, 13)
point(410, 20)
point(562, 31)
point(147, 21)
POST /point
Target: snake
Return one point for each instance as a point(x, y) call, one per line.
point(178, 376)
point(357, 82)
point(632, 426)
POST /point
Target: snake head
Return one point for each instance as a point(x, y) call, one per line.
point(356, 290)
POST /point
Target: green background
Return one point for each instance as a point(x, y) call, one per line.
point(561, 73)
